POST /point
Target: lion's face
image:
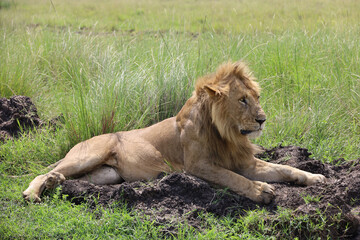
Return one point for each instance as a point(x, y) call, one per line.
point(235, 102)
point(244, 109)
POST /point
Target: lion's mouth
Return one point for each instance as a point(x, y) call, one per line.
point(245, 132)
point(251, 132)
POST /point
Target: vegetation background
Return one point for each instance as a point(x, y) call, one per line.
point(116, 65)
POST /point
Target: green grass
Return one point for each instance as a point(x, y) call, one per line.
point(200, 16)
point(103, 83)
point(57, 218)
point(117, 65)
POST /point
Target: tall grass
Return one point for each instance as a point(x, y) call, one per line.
point(103, 84)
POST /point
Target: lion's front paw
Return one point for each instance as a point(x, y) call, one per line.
point(262, 192)
point(313, 179)
point(30, 196)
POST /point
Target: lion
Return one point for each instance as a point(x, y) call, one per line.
point(208, 138)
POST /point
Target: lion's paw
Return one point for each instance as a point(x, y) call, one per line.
point(262, 192)
point(313, 179)
point(30, 196)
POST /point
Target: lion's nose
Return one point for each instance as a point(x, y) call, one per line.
point(260, 121)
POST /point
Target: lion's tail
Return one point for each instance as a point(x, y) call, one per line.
point(50, 167)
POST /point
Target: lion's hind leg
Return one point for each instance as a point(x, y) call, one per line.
point(49, 180)
point(83, 158)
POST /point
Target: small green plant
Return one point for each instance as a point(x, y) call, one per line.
point(311, 199)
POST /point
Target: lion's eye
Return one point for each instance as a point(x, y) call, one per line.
point(243, 100)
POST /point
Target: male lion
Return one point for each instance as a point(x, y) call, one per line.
point(208, 138)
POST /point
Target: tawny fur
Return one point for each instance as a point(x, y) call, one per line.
point(208, 138)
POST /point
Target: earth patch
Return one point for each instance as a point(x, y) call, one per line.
point(182, 196)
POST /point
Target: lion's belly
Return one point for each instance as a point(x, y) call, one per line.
point(143, 154)
point(102, 176)
point(137, 159)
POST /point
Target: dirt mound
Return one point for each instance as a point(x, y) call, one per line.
point(19, 113)
point(16, 113)
point(181, 196)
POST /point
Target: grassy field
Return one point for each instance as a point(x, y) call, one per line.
point(118, 65)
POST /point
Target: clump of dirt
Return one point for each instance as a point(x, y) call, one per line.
point(19, 113)
point(16, 113)
point(181, 196)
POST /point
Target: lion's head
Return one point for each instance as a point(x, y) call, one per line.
point(233, 97)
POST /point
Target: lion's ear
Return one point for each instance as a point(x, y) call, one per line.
point(216, 90)
point(211, 90)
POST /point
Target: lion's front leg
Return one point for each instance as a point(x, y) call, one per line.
point(200, 164)
point(270, 172)
point(255, 190)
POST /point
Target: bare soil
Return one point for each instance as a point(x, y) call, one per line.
point(16, 113)
point(181, 196)
point(19, 114)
